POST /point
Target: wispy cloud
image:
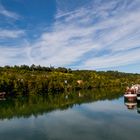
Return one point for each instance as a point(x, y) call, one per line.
point(6, 34)
point(96, 34)
point(114, 60)
point(15, 55)
point(111, 26)
point(7, 13)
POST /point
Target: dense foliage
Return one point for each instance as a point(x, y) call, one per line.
point(36, 79)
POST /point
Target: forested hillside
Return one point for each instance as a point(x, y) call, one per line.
point(36, 79)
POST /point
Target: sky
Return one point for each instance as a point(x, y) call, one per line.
point(76, 34)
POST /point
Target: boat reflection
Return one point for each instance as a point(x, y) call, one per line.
point(138, 106)
point(132, 104)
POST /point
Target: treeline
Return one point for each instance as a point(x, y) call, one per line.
point(36, 79)
point(36, 68)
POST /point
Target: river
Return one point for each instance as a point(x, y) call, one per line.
point(80, 115)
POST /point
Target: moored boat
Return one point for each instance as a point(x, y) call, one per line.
point(129, 95)
point(135, 89)
point(133, 92)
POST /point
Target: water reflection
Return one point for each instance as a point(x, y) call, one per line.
point(99, 115)
point(25, 106)
point(138, 106)
point(2, 99)
point(132, 104)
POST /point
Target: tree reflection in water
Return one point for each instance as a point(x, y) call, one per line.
point(25, 106)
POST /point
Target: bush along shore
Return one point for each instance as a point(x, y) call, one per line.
point(36, 79)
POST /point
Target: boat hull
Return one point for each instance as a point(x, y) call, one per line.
point(130, 95)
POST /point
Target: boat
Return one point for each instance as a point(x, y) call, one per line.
point(133, 89)
point(129, 95)
point(133, 92)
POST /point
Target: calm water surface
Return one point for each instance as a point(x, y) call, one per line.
point(85, 115)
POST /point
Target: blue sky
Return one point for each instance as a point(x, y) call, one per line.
point(78, 34)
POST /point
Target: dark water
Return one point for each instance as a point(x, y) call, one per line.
point(84, 115)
